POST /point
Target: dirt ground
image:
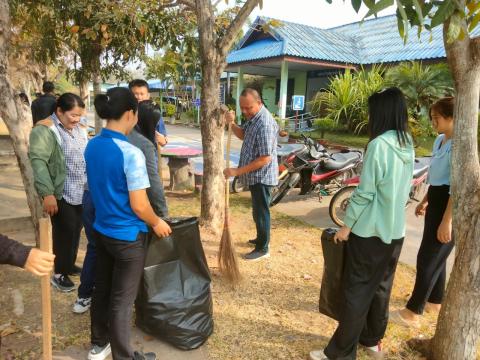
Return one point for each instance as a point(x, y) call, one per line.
point(272, 314)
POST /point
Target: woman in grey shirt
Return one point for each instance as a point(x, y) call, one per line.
point(143, 137)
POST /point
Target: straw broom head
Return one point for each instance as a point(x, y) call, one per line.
point(227, 258)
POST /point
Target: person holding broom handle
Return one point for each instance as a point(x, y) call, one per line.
point(258, 166)
point(33, 260)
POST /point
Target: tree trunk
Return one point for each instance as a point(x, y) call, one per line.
point(211, 126)
point(83, 89)
point(458, 329)
point(97, 90)
point(211, 123)
point(18, 119)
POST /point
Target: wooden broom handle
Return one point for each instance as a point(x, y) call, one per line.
point(46, 245)
point(227, 182)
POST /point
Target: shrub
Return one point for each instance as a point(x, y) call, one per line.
point(170, 109)
point(324, 125)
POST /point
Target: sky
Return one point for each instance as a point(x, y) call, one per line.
point(317, 13)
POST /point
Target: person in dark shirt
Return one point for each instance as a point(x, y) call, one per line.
point(44, 105)
point(31, 259)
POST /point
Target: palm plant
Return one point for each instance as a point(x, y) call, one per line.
point(339, 102)
point(422, 85)
point(345, 100)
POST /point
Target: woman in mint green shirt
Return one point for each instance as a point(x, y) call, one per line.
point(374, 229)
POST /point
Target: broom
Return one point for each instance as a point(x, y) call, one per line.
point(227, 259)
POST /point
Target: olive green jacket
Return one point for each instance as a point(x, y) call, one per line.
point(47, 159)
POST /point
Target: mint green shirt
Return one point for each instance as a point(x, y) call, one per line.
point(377, 206)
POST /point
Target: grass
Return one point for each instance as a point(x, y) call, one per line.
point(272, 314)
point(423, 146)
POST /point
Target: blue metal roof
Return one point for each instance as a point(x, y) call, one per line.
point(369, 42)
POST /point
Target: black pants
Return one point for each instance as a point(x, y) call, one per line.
point(66, 227)
point(432, 255)
point(367, 280)
point(261, 214)
point(119, 270)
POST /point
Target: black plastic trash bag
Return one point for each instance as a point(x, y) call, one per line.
point(174, 302)
point(331, 294)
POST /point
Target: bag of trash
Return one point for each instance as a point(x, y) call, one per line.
point(174, 302)
point(331, 294)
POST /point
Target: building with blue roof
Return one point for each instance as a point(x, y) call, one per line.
point(298, 59)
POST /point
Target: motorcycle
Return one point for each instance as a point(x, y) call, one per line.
point(316, 170)
point(283, 152)
point(339, 203)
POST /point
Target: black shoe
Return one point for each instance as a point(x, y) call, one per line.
point(256, 255)
point(76, 271)
point(144, 356)
point(62, 283)
point(252, 242)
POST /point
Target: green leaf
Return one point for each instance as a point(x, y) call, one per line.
point(379, 6)
point(445, 10)
point(473, 7)
point(454, 28)
point(418, 9)
point(403, 20)
point(356, 5)
point(401, 28)
point(474, 22)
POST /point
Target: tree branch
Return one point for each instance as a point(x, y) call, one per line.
point(188, 3)
point(225, 43)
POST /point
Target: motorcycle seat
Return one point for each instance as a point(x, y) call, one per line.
point(419, 169)
point(338, 161)
point(315, 154)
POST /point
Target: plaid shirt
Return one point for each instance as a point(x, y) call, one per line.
point(73, 145)
point(260, 140)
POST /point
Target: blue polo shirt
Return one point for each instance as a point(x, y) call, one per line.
point(161, 127)
point(439, 171)
point(115, 167)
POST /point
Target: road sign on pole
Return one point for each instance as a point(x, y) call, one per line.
point(298, 102)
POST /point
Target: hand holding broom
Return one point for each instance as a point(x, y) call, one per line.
point(227, 258)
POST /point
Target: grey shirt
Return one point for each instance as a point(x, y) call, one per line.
point(155, 192)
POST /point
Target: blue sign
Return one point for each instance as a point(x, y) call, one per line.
point(196, 102)
point(298, 102)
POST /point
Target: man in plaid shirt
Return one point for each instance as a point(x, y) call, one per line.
point(258, 166)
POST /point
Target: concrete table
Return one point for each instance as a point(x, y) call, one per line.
point(181, 171)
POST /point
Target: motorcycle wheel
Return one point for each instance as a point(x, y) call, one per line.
point(279, 191)
point(339, 203)
point(237, 186)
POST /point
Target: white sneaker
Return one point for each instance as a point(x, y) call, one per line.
point(374, 352)
point(81, 305)
point(99, 352)
point(318, 355)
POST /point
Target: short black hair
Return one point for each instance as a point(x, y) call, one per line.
point(138, 83)
point(68, 101)
point(48, 87)
point(253, 92)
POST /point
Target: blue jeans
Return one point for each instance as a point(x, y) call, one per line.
point(87, 278)
point(261, 214)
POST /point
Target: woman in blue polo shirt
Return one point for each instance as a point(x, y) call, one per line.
point(117, 179)
point(437, 242)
